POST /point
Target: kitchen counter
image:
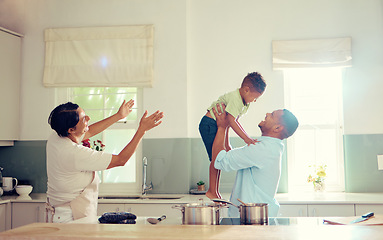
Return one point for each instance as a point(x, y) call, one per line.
point(283, 198)
point(40, 231)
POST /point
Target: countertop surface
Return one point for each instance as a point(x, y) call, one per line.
point(39, 231)
point(283, 198)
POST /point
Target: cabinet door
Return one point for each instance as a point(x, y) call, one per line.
point(3, 217)
point(328, 210)
point(10, 69)
point(26, 213)
point(155, 210)
point(288, 210)
point(110, 207)
point(361, 209)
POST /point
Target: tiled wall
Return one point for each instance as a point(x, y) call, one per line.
point(176, 165)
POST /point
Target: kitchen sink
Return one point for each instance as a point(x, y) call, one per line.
point(148, 197)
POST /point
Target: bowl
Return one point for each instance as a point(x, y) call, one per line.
point(24, 190)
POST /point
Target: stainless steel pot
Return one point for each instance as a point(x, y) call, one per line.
point(254, 213)
point(251, 213)
point(200, 213)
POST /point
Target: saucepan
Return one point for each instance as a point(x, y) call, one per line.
point(200, 213)
point(250, 213)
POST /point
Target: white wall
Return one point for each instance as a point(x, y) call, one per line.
point(228, 38)
point(204, 48)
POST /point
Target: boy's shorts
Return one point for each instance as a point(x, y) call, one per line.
point(208, 130)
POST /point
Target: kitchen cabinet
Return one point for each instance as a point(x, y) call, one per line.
point(328, 210)
point(110, 207)
point(10, 69)
point(155, 210)
point(141, 210)
point(291, 210)
point(25, 213)
point(5, 217)
point(361, 209)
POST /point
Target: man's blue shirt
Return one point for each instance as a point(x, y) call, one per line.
point(258, 171)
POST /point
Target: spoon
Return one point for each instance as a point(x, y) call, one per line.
point(239, 200)
point(156, 220)
point(223, 201)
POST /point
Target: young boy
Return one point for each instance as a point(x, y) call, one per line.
point(237, 104)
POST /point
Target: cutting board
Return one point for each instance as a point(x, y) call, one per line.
point(375, 220)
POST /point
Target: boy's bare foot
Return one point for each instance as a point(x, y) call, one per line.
point(213, 195)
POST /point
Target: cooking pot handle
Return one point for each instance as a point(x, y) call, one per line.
point(223, 201)
point(180, 207)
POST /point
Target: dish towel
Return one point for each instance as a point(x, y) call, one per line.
point(118, 218)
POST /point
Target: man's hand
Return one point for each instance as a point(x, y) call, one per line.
point(125, 108)
point(222, 120)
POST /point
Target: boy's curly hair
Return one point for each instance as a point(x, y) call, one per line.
point(255, 82)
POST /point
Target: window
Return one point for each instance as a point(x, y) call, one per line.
point(315, 97)
point(99, 103)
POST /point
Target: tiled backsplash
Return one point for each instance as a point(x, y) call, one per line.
point(176, 165)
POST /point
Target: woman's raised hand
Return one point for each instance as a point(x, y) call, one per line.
point(125, 108)
point(147, 123)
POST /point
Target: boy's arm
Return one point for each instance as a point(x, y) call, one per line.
point(227, 143)
point(234, 124)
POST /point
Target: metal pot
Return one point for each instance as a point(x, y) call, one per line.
point(200, 213)
point(251, 213)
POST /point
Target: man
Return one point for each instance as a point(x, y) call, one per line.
point(258, 165)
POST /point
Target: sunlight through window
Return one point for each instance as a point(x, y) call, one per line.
point(315, 97)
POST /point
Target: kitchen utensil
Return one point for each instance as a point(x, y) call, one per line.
point(250, 213)
point(200, 213)
point(218, 200)
point(363, 218)
point(156, 220)
point(8, 183)
point(239, 200)
point(24, 190)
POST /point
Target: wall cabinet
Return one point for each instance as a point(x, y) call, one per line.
point(10, 69)
point(26, 213)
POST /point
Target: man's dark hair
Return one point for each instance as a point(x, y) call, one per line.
point(290, 122)
point(63, 117)
point(255, 82)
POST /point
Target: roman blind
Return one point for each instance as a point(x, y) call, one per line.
point(334, 52)
point(117, 56)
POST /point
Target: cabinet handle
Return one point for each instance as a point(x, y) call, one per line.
point(38, 214)
point(300, 212)
point(314, 212)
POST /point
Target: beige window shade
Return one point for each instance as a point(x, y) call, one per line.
point(335, 52)
point(120, 56)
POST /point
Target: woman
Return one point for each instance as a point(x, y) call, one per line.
point(71, 168)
